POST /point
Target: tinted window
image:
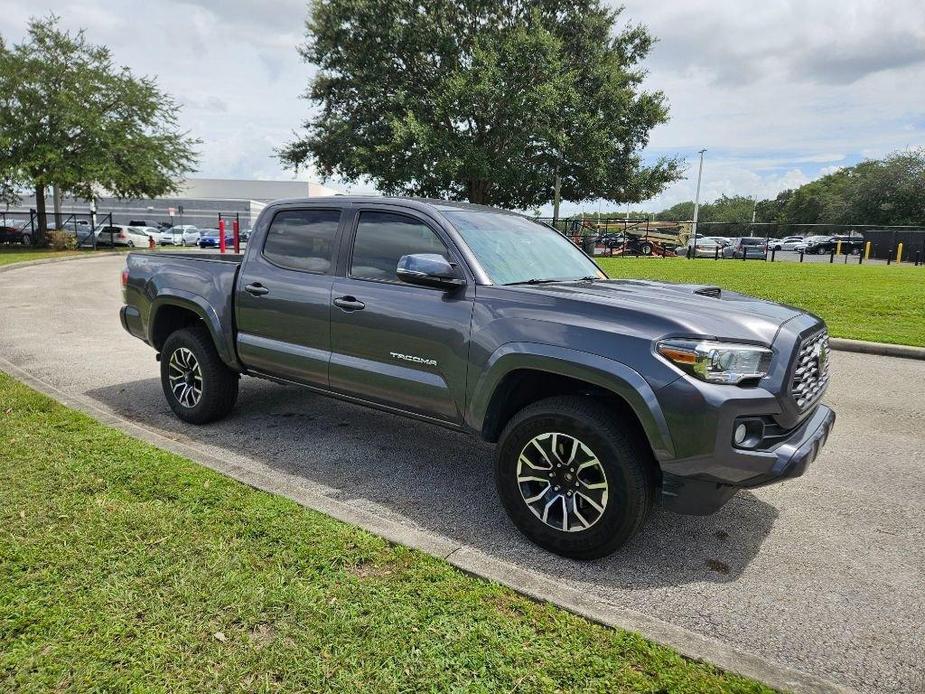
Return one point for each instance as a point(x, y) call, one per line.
point(383, 238)
point(302, 239)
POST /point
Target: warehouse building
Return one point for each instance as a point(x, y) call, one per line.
point(198, 202)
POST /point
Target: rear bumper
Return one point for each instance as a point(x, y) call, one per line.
point(702, 494)
point(130, 318)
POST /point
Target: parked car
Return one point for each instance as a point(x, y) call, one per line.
point(604, 396)
point(824, 245)
point(209, 238)
point(16, 231)
point(706, 247)
point(121, 235)
point(151, 232)
point(788, 243)
point(182, 235)
point(746, 247)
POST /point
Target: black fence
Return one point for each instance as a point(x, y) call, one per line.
point(23, 228)
point(884, 240)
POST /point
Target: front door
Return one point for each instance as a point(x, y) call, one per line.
point(283, 301)
point(395, 343)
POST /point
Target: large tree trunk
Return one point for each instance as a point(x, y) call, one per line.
point(42, 222)
point(56, 201)
point(477, 190)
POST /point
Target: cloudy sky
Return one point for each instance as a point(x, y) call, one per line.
point(779, 92)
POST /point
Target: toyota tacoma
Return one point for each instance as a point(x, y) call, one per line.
point(604, 397)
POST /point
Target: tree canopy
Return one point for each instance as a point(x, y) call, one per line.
point(888, 191)
point(485, 100)
point(70, 118)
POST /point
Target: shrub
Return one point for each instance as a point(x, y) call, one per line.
point(62, 241)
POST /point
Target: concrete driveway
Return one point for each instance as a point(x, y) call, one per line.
point(824, 574)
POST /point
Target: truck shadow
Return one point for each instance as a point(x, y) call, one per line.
point(443, 482)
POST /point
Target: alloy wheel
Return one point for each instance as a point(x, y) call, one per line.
point(185, 377)
point(562, 482)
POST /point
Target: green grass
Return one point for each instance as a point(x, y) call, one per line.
point(867, 302)
point(123, 566)
point(19, 254)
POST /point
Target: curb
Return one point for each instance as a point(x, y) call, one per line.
point(45, 261)
point(468, 559)
point(878, 348)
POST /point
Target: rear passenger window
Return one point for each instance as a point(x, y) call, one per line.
point(382, 238)
point(302, 239)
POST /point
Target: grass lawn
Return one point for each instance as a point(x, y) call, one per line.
point(867, 302)
point(123, 566)
point(18, 254)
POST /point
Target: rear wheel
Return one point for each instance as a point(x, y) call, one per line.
point(573, 478)
point(646, 249)
point(198, 386)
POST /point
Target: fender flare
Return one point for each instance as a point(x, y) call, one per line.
point(202, 308)
point(609, 374)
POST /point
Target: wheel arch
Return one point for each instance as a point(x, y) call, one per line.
point(519, 374)
point(176, 310)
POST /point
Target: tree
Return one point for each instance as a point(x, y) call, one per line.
point(485, 100)
point(70, 119)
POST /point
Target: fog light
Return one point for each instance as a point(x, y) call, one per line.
point(741, 432)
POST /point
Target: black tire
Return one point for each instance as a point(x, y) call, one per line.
point(26, 240)
point(219, 384)
point(646, 249)
point(625, 458)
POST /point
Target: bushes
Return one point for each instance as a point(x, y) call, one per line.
point(62, 241)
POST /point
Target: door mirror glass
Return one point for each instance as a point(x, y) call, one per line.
point(429, 270)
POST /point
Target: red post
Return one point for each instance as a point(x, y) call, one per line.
point(221, 234)
point(236, 228)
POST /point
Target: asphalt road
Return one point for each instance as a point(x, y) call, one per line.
point(824, 574)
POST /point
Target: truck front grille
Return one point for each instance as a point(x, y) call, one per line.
point(811, 370)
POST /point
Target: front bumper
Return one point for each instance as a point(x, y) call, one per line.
point(692, 488)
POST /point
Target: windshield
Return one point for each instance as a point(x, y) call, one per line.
point(513, 249)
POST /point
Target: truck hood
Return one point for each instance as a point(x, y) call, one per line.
point(679, 309)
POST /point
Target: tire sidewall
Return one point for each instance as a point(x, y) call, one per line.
point(618, 520)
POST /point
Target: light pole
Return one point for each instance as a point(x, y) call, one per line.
point(697, 204)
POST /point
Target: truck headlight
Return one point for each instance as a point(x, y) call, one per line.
point(717, 362)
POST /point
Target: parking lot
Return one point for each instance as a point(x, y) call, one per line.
point(822, 574)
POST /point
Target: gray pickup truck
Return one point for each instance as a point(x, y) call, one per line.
point(604, 396)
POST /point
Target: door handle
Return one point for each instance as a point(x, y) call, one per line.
point(256, 289)
point(349, 303)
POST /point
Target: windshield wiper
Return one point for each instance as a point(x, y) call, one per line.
point(533, 280)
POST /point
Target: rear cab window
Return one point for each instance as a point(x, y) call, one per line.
point(302, 239)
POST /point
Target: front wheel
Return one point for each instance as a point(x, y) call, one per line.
point(646, 249)
point(26, 240)
point(198, 386)
point(574, 479)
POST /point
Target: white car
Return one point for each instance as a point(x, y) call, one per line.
point(121, 235)
point(180, 235)
point(788, 243)
point(151, 232)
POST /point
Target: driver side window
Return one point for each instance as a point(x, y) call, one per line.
point(381, 240)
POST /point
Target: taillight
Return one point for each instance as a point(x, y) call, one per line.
point(124, 278)
point(121, 234)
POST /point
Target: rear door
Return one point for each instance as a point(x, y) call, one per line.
point(283, 297)
point(395, 343)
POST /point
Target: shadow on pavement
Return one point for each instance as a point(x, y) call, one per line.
point(442, 481)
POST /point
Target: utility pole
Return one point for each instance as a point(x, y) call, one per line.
point(697, 204)
point(557, 187)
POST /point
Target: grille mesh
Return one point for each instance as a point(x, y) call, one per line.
point(811, 370)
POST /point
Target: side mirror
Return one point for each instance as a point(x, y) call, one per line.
point(429, 270)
